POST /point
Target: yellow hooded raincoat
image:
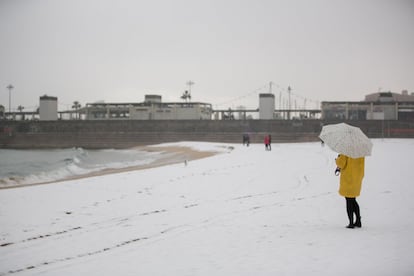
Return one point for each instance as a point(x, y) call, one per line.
point(352, 172)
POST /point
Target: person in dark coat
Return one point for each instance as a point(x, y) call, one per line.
point(270, 142)
point(246, 139)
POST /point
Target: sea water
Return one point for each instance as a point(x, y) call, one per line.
point(35, 166)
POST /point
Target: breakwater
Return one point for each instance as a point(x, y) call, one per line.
point(131, 133)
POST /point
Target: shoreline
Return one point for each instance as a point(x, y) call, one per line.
point(171, 155)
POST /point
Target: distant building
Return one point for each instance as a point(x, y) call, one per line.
point(266, 106)
point(48, 108)
point(151, 109)
point(241, 114)
point(2, 116)
point(376, 106)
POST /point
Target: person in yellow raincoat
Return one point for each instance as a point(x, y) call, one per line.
point(352, 173)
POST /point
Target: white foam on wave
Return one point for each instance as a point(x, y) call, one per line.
point(76, 162)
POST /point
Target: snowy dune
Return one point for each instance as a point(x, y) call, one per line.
point(244, 211)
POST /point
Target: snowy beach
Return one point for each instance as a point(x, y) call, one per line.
point(242, 211)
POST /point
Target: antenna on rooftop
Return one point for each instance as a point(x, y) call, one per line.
point(190, 83)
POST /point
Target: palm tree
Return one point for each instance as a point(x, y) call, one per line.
point(20, 108)
point(76, 105)
point(186, 96)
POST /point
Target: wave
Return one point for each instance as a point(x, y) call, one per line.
point(21, 167)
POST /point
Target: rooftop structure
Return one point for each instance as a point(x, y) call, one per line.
point(390, 97)
point(376, 106)
point(48, 108)
point(266, 106)
point(151, 109)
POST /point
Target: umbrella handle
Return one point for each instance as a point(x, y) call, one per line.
point(337, 171)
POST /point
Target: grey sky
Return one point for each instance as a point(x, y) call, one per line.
point(120, 50)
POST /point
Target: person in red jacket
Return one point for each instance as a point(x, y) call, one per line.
point(266, 142)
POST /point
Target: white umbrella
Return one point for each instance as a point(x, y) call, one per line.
point(346, 139)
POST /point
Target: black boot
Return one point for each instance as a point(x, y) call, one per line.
point(350, 212)
point(358, 222)
point(357, 214)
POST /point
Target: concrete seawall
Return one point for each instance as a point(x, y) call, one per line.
point(130, 133)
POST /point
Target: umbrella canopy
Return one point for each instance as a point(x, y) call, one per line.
point(346, 139)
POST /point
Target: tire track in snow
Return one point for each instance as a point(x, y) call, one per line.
point(86, 228)
point(42, 236)
point(91, 253)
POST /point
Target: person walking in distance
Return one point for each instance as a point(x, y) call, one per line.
point(246, 139)
point(351, 174)
point(266, 142)
point(270, 142)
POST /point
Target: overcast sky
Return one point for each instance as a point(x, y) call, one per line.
point(120, 50)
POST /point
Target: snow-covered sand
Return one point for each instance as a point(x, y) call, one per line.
point(244, 211)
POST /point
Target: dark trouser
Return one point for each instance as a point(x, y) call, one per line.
point(351, 208)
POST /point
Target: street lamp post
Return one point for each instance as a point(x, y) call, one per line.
point(10, 87)
point(289, 92)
